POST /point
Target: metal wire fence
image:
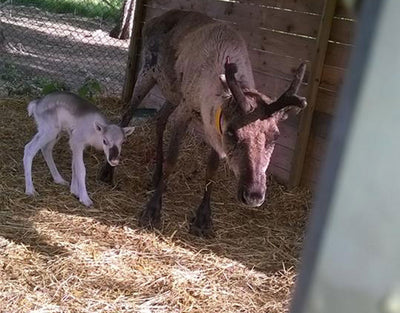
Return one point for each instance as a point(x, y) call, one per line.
point(63, 44)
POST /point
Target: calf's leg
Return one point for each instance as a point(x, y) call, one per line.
point(78, 184)
point(41, 139)
point(201, 224)
point(47, 152)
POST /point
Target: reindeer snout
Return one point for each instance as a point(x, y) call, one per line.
point(113, 162)
point(113, 156)
point(253, 197)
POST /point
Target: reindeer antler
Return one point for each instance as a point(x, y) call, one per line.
point(289, 97)
point(230, 71)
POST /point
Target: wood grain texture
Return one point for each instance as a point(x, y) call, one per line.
point(343, 30)
point(312, 94)
point(248, 16)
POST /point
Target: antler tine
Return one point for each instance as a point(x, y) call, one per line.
point(289, 97)
point(230, 71)
point(295, 85)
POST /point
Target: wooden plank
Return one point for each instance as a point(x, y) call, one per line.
point(316, 153)
point(312, 170)
point(270, 85)
point(332, 78)
point(343, 30)
point(273, 86)
point(310, 6)
point(282, 157)
point(317, 147)
point(321, 124)
point(344, 11)
point(326, 101)
point(338, 54)
point(287, 136)
point(276, 65)
point(269, 41)
point(194, 5)
point(134, 48)
point(316, 72)
point(280, 175)
point(278, 43)
point(250, 16)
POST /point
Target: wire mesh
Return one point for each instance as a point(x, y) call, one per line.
point(64, 43)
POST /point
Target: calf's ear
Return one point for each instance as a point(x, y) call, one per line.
point(128, 130)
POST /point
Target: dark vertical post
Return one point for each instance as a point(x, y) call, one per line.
point(303, 131)
point(134, 49)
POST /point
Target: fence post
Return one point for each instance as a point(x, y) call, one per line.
point(133, 53)
point(303, 131)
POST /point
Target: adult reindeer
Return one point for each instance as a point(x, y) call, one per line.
point(203, 70)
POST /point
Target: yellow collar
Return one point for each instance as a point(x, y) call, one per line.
point(218, 120)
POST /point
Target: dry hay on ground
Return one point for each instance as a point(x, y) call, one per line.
point(58, 256)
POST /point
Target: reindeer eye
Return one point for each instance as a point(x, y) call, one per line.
point(105, 142)
point(230, 133)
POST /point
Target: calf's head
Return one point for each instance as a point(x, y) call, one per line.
point(250, 129)
point(112, 137)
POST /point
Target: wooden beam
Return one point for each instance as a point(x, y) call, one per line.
point(314, 82)
point(134, 49)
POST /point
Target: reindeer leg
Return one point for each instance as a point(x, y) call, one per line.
point(162, 120)
point(47, 152)
point(201, 224)
point(151, 215)
point(79, 174)
point(41, 139)
point(143, 85)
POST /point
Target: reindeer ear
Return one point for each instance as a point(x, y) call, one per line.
point(128, 130)
point(99, 127)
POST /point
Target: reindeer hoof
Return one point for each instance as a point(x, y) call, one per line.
point(106, 174)
point(201, 227)
point(86, 202)
point(61, 181)
point(31, 192)
point(149, 219)
point(74, 190)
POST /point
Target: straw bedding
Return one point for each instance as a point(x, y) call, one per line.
point(59, 256)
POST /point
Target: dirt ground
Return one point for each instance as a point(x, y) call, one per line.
point(61, 47)
point(59, 256)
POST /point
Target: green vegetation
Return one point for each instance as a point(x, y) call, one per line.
point(48, 86)
point(90, 89)
point(17, 83)
point(106, 9)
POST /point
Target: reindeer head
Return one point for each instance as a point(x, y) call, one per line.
point(250, 129)
point(112, 137)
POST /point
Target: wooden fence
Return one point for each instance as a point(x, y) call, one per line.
point(280, 35)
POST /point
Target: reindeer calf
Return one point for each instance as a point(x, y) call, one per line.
point(86, 126)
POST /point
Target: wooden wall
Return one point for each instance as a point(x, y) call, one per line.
point(336, 59)
point(280, 35)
